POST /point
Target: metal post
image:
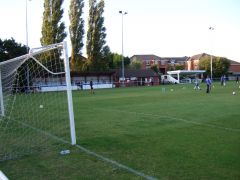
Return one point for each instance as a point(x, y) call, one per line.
point(1, 96)
point(27, 23)
point(211, 68)
point(123, 73)
point(178, 76)
point(28, 84)
point(69, 94)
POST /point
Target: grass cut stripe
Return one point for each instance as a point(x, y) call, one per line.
point(173, 118)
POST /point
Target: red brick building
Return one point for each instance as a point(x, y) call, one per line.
point(234, 68)
point(163, 63)
point(138, 77)
point(193, 64)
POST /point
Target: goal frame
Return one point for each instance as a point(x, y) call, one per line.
point(28, 56)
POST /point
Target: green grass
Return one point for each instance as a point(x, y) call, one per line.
point(178, 134)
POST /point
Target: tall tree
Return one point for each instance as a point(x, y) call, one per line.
point(96, 49)
point(220, 65)
point(9, 49)
point(136, 63)
point(116, 61)
point(53, 30)
point(76, 30)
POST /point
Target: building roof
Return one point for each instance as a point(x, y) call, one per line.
point(198, 56)
point(234, 62)
point(128, 73)
point(146, 57)
point(175, 59)
point(103, 73)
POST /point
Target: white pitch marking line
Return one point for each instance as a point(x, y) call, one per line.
point(138, 173)
point(178, 119)
point(104, 159)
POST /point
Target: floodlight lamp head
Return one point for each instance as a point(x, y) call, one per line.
point(123, 13)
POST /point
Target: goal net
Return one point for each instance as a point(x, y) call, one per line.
point(36, 112)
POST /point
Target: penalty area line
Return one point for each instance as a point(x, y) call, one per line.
point(104, 159)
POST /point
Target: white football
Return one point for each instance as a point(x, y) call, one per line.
point(41, 106)
point(233, 92)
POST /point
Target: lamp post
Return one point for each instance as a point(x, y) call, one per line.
point(28, 84)
point(211, 29)
point(27, 22)
point(123, 76)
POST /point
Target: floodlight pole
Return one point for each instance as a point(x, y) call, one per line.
point(123, 75)
point(26, 23)
point(211, 61)
point(28, 84)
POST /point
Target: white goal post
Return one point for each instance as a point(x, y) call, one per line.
point(2, 176)
point(36, 101)
point(1, 96)
point(69, 94)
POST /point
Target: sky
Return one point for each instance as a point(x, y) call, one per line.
point(166, 28)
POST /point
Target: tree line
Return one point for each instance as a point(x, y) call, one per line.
point(9, 49)
point(99, 55)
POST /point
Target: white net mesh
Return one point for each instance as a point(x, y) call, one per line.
point(34, 106)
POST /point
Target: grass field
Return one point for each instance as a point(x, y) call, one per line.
point(162, 132)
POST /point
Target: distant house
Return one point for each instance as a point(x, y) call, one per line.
point(193, 64)
point(162, 63)
point(173, 62)
point(234, 68)
point(138, 77)
point(147, 60)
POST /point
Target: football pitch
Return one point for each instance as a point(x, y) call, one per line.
point(159, 132)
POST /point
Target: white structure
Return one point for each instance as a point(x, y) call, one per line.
point(2, 176)
point(2, 113)
point(179, 73)
point(168, 79)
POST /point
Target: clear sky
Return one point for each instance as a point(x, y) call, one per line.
point(167, 28)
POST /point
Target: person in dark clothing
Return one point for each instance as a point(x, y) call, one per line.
point(223, 80)
point(209, 84)
point(237, 79)
point(91, 87)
